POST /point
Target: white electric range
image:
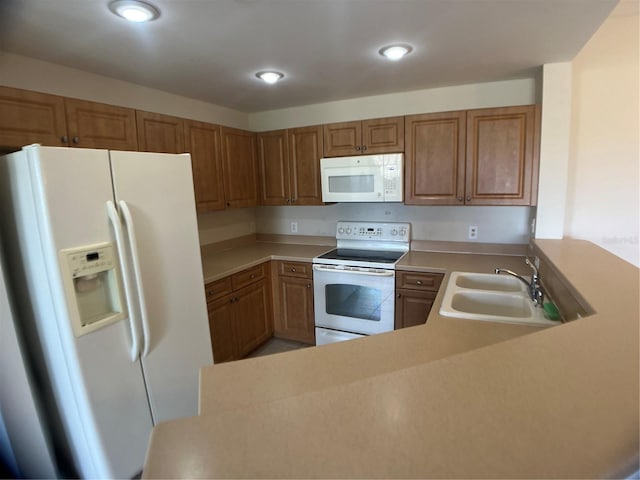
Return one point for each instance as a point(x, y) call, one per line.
point(354, 284)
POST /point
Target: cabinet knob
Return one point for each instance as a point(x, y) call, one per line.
point(64, 139)
point(76, 140)
point(399, 295)
point(460, 199)
point(364, 148)
point(418, 282)
point(228, 204)
point(358, 147)
point(468, 198)
point(293, 200)
point(252, 276)
point(288, 200)
point(308, 285)
point(293, 269)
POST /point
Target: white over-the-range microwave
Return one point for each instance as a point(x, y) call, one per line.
point(363, 178)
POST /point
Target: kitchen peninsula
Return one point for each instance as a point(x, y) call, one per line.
point(451, 398)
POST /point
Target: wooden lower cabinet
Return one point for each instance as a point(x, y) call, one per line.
point(415, 294)
point(294, 315)
point(222, 329)
point(252, 307)
point(240, 313)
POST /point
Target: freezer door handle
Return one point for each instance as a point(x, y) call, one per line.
point(114, 218)
point(133, 246)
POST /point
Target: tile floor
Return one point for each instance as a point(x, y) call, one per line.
point(276, 345)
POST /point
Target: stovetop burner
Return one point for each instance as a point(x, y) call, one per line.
point(368, 244)
point(362, 255)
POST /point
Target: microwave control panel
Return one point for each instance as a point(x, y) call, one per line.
point(392, 231)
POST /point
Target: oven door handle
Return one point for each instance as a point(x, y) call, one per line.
point(387, 273)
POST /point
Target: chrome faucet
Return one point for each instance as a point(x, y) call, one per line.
point(534, 288)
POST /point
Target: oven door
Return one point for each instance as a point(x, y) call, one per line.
point(354, 300)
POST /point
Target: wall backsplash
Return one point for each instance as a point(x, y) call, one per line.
point(227, 224)
point(495, 224)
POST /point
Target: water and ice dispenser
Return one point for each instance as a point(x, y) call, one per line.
point(92, 284)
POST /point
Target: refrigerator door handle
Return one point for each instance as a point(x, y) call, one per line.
point(128, 220)
point(112, 213)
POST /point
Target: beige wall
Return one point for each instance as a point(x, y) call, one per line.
point(460, 97)
point(603, 198)
point(31, 74)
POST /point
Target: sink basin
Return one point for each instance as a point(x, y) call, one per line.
point(496, 305)
point(490, 297)
point(489, 281)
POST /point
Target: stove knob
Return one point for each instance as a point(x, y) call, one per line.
point(403, 232)
point(348, 231)
point(394, 232)
point(341, 230)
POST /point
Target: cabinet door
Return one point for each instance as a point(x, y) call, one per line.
point(434, 159)
point(383, 135)
point(203, 142)
point(30, 117)
point(223, 329)
point(296, 321)
point(97, 125)
point(240, 168)
point(413, 307)
point(305, 152)
point(500, 155)
point(252, 310)
point(160, 133)
point(342, 139)
point(274, 169)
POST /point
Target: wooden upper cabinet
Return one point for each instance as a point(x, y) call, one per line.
point(383, 135)
point(500, 155)
point(380, 135)
point(240, 168)
point(342, 139)
point(98, 125)
point(273, 162)
point(31, 117)
point(203, 141)
point(434, 158)
point(160, 133)
point(289, 163)
point(305, 152)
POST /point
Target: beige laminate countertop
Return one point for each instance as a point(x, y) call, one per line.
point(451, 398)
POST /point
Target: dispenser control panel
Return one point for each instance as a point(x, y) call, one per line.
point(90, 262)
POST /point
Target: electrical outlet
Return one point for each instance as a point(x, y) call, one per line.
point(473, 232)
point(294, 227)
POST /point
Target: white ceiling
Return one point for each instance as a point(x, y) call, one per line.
point(210, 49)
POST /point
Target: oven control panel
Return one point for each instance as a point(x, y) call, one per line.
point(390, 231)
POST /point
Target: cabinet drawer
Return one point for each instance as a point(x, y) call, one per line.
point(295, 269)
point(419, 280)
point(248, 276)
point(217, 289)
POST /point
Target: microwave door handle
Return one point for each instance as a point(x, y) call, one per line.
point(388, 273)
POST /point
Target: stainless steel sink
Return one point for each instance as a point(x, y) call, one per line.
point(490, 297)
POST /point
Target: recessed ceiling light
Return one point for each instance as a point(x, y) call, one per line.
point(395, 52)
point(270, 77)
point(134, 10)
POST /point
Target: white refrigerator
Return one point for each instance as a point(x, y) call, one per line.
point(104, 267)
